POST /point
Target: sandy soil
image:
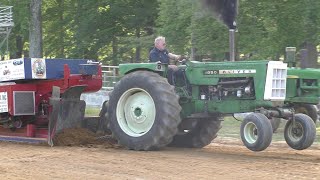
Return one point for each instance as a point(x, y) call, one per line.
point(224, 159)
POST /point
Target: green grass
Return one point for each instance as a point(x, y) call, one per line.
point(231, 128)
point(92, 111)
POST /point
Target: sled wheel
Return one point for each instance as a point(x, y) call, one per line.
point(143, 111)
point(301, 134)
point(199, 136)
point(256, 131)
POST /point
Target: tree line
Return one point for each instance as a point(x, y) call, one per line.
point(118, 31)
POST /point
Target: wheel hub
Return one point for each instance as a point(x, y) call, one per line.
point(136, 112)
point(296, 131)
point(138, 115)
point(251, 132)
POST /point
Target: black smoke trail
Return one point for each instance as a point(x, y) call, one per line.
point(224, 10)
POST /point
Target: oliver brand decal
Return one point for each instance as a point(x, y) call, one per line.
point(230, 71)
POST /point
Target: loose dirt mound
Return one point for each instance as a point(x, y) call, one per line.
point(83, 137)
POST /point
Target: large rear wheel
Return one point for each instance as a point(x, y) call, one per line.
point(144, 111)
point(202, 134)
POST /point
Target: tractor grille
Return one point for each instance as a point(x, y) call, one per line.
point(276, 80)
point(24, 102)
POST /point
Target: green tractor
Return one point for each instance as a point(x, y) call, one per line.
point(145, 112)
point(303, 88)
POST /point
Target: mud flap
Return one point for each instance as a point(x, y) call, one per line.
point(67, 111)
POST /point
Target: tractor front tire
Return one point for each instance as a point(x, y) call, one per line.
point(201, 135)
point(144, 111)
point(256, 132)
point(301, 134)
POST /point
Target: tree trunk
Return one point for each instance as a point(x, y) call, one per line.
point(35, 29)
point(193, 49)
point(19, 46)
point(114, 51)
point(312, 55)
point(61, 33)
point(277, 57)
point(79, 44)
point(138, 48)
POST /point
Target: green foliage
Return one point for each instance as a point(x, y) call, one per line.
point(271, 26)
point(173, 22)
point(117, 31)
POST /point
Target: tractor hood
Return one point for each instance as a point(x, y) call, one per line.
point(308, 73)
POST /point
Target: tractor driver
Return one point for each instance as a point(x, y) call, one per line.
point(160, 54)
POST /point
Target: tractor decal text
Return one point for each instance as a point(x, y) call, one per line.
point(210, 72)
point(238, 71)
point(230, 71)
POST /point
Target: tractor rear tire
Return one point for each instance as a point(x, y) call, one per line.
point(144, 111)
point(201, 135)
point(302, 135)
point(103, 119)
point(308, 109)
point(256, 132)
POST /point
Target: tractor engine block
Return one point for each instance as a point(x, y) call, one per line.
point(241, 88)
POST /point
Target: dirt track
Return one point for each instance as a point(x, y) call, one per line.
point(224, 159)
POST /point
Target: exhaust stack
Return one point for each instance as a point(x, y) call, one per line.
point(232, 47)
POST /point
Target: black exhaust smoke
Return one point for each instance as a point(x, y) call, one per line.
point(224, 10)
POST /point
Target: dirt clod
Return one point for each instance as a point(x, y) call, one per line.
point(83, 137)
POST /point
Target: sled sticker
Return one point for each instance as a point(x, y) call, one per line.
point(3, 102)
point(38, 67)
point(12, 70)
